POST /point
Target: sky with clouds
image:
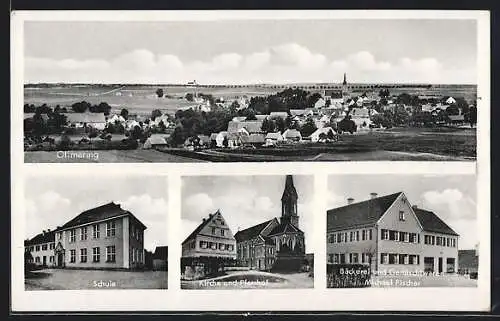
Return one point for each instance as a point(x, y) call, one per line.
point(244, 201)
point(52, 202)
point(452, 198)
point(252, 51)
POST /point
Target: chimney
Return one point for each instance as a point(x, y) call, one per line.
point(350, 200)
point(373, 195)
point(414, 206)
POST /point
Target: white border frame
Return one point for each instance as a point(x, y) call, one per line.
point(322, 299)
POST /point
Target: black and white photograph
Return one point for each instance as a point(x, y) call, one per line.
point(247, 232)
point(250, 90)
point(402, 231)
point(82, 235)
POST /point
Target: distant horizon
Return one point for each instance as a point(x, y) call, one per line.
point(249, 84)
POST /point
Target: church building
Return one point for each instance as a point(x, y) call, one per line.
point(276, 244)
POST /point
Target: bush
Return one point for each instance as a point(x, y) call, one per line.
point(337, 277)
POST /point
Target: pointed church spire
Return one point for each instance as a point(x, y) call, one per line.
point(289, 188)
point(289, 203)
point(345, 79)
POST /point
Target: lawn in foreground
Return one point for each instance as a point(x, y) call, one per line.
point(61, 279)
point(252, 280)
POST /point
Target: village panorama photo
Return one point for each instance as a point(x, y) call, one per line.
point(250, 90)
point(95, 237)
point(247, 232)
point(412, 231)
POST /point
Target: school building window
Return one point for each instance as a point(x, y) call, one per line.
point(96, 254)
point(83, 233)
point(96, 231)
point(72, 236)
point(52, 246)
point(37, 248)
point(110, 228)
point(83, 255)
point(72, 256)
point(384, 235)
point(110, 253)
point(44, 247)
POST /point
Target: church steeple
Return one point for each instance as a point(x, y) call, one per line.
point(289, 203)
point(345, 79)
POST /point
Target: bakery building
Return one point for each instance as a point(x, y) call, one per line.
point(389, 234)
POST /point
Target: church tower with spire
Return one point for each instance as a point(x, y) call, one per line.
point(289, 203)
point(345, 87)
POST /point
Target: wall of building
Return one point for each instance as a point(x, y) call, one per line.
point(198, 251)
point(360, 246)
point(40, 254)
point(136, 244)
point(439, 251)
point(102, 242)
point(255, 254)
point(390, 221)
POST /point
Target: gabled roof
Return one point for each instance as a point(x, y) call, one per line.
point(361, 213)
point(253, 126)
point(285, 228)
point(291, 133)
point(432, 223)
point(276, 136)
point(360, 112)
point(99, 213)
point(251, 232)
point(198, 229)
point(85, 117)
point(41, 238)
point(253, 139)
point(161, 253)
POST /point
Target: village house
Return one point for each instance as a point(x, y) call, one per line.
point(104, 237)
point(292, 135)
point(320, 103)
point(468, 261)
point(253, 140)
point(210, 247)
point(155, 140)
point(82, 120)
point(273, 139)
point(160, 258)
point(361, 117)
point(41, 247)
point(278, 114)
point(115, 119)
point(390, 234)
point(275, 244)
point(322, 135)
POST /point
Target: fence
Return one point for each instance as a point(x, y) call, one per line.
point(348, 275)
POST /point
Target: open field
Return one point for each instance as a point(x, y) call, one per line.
point(142, 99)
point(397, 144)
point(252, 280)
point(61, 279)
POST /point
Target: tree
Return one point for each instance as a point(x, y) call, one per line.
point(235, 105)
point(136, 132)
point(162, 126)
point(124, 113)
point(308, 128)
point(384, 93)
point(65, 142)
point(452, 110)
point(92, 134)
point(159, 92)
point(80, 107)
point(347, 125)
point(268, 126)
point(189, 97)
point(280, 124)
point(155, 113)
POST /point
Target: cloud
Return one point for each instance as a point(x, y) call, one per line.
point(288, 62)
point(153, 212)
point(45, 211)
point(457, 210)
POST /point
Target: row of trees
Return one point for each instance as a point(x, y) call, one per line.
point(78, 107)
point(284, 101)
